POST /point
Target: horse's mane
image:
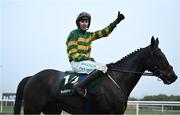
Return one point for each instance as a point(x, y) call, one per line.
point(125, 58)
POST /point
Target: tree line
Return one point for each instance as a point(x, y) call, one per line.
point(160, 97)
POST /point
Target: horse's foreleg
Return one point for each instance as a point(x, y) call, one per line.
point(29, 112)
point(52, 108)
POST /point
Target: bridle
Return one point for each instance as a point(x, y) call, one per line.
point(155, 73)
point(133, 72)
point(127, 71)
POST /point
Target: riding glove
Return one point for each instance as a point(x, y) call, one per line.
point(120, 17)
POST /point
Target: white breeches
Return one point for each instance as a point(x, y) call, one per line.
point(87, 66)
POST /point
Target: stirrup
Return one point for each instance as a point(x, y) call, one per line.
point(85, 92)
point(82, 93)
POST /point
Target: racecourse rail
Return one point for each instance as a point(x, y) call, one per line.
point(135, 104)
point(153, 103)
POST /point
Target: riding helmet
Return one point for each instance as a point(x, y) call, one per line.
point(83, 16)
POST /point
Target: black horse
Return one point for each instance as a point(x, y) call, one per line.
point(40, 92)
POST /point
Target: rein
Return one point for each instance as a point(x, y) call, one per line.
point(126, 71)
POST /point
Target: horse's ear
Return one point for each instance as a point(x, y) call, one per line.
point(153, 42)
point(157, 42)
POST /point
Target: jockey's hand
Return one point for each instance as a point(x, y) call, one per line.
point(120, 17)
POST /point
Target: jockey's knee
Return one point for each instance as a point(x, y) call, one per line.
point(102, 68)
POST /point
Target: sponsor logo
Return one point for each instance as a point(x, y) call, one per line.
point(66, 91)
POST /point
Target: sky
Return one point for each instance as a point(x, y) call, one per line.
point(33, 35)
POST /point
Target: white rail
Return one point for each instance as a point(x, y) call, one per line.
point(160, 103)
point(2, 101)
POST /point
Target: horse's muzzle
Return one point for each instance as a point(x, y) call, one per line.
point(169, 79)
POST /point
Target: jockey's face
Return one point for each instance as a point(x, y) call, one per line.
point(84, 24)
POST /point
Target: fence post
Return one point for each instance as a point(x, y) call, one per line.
point(137, 108)
point(162, 110)
point(1, 106)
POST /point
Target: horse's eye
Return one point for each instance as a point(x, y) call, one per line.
point(152, 53)
point(156, 67)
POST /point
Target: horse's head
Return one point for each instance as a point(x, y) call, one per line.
point(158, 64)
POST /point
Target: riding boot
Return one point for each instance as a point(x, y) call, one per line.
point(80, 87)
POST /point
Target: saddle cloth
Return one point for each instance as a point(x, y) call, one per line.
point(68, 79)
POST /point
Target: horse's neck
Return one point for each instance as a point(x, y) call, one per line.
point(128, 81)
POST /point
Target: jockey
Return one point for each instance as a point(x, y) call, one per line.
point(79, 47)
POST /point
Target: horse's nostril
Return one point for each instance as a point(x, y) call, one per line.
point(173, 78)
